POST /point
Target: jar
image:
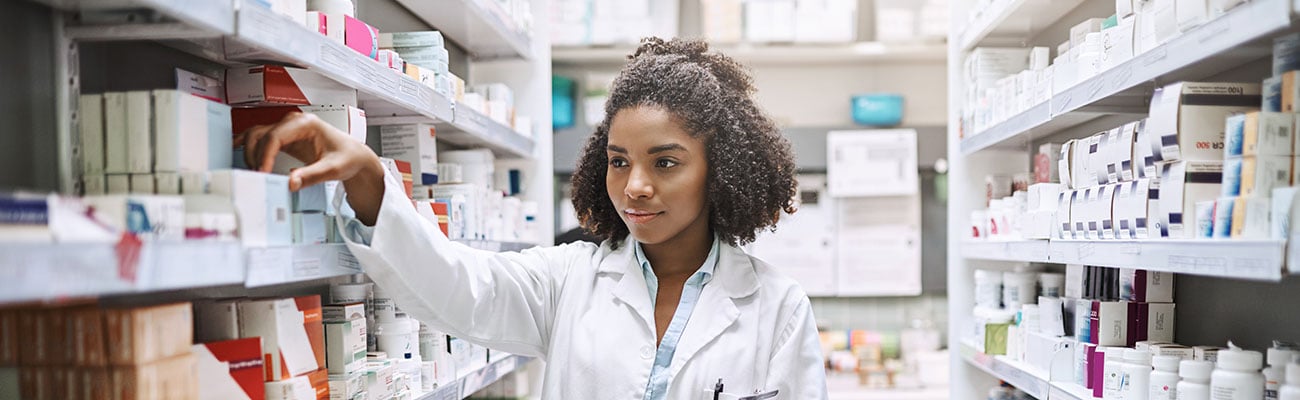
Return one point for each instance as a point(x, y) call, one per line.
point(1051, 284)
point(1195, 384)
point(394, 338)
point(1291, 389)
point(988, 289)
point(1164, 380)
point(1236, 375)
point(1137, 375)
point(1019, 288)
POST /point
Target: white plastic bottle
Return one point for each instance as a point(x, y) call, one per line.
point(1113, 374)
point(1195, 383)
point(1164, 380)
point(1137, 373)
point(1275, 375)
point(1236, 375)
point(1291, 389)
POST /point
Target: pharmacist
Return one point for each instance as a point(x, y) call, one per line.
point(684, 169)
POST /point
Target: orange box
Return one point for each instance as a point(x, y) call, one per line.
point(313, 322)
point(172, 378)
point(320, 381)
point(147, 334)
point(86, 336)
point(46, 336)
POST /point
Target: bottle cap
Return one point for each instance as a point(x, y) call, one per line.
point(1195, 370)
point(1166, 363)
point(1240, 360)
point(1135, 356)
point(1279, 356)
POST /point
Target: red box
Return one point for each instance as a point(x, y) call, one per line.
point(408, 183)
point(275, 85)
point(243, 358)
point(314, 323)
point(444, 217)
point(320, 381)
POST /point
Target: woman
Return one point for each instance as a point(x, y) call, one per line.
point(684, 169)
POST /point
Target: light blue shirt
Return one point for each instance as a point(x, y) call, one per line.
point(657, 388)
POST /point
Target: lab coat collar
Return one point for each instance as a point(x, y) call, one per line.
point(734, 273)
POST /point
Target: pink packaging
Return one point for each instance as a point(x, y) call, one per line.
point(1097, 371)
point(361, 37)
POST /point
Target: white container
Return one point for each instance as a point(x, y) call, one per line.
point(414, 339)
point(1195, 384)
point(1275, 375)
point(394, 338)
point(1051, 284)
point(1164, 380)
point(1113, 374)
point(1291, 389)
point(347, 293)
point(1137, 372)
point(385, 310)
point(1236, 375)
point(988, 289)
point(1019, 288)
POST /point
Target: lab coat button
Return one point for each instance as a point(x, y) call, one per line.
point(647, 352)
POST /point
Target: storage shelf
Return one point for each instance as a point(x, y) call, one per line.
point(472, 128)
point(468, 385)
point(1218, 46)
point(54, 272)
point(1035, 383)
point(794, 54)
point(480, 26)
point(1236, 259)
point(1016, 19)
point(216, 16)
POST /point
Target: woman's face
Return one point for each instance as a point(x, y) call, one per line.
point(656, 176)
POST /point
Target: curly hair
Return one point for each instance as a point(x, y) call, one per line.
point(750, 165)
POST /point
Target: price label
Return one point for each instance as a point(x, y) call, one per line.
point(333, 58)
point(1086, 249)
point(306, 267)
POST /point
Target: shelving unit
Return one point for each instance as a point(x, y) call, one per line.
point(476, 381)
point(773, 54)
point(481, 27)
point(1221, 45)
point(1233, 47)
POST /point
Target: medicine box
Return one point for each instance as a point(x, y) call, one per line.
point(216, 320)
point(191, 134)
point(286, 346)
point(85, 337)
point(1234, 135)
point(1130, 210)
point(1065, 163)
point(343, 312)
point(416, 144)
point(171, 378)
point(1146, 286)
point(1271, 94)
point(1205, 219)
point(345, 346)
point(151, 217)
point(1182, 184)
point(320, 383)
point(142, 184)
point(310, 199)
point(1250, 217)
point(230, 369)
point(1146, 152)
point(309, 228)
point(1261, 174)
point(310, 307)
point(1221, 227)
point(263, 85)
point(1109, 323)
point(1280, 213)
point(139, 132)
point(1151, 322)
point(167, 183)
point(348, 119)
point(1187, 118)
point(94, 184)
point(1064, 228)
point(90, 108)
point(1103, 212)
point(1191, 13)
point(411, 39)
point(292, 388)
point(347, 387)
point(360, 36)
point(1268, 134)
point(261, 204)
point(115, 136)
point(1290, 91)
point(143, 335)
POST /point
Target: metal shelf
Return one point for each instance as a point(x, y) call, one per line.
point(480, 26)
point(1014, 19)
point(264, 36)
point(800, 54)
point(1235, 259)
point(1009, 250)
point(468, 385)
point(472, 128)
point(1221, 45)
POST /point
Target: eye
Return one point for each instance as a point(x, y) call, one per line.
point(617, 162)
point(665, 163)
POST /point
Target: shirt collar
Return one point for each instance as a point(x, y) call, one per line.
point(705, 271)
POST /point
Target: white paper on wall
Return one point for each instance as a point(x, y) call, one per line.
point(871, 163)
point(803, 245)
point(878, 246)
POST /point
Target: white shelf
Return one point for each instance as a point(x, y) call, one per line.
point(1236, 259)
point(472, 128)
point(264, 36)
point(769, 54)
point(216, 16)
point(468, 385)
point(1010, 250)
point(1015, 19)
point(480, 26)
point(1218, 46)
point(1033, 382)
point(280, 265)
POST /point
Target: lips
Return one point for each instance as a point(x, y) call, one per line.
point(640, 216)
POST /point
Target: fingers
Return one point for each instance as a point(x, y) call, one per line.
point(248, 140)
point(326, 169)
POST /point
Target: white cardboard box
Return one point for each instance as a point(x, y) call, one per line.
point(91, 111)
point(1268, 134)
point(115, 137)
point(117, 183)
point(309, 228)
point(1250, 217)
point(1191, 13)
point(1130, 210)
point(153, 218)
point(1104, 210)
point(143, 184)
point(345, 346)
point(1118, 42)
point(1221, 227)
point(415, 144)
point(139, 132)
point(1182, 184)
point(284, 338)
point(1280, 212)
point(1188, 117)
point(191, 134)
point(1261, 174)
point(94, 184)
point(1146, 286)
point(167, 183)
point(1064, 214)
point(261, 202)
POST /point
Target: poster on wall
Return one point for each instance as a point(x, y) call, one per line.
point(879, 162)
point(802, 245)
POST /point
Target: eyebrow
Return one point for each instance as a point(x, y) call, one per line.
point(653, 150)
point(616, 149)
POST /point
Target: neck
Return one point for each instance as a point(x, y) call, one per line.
point(681, 255)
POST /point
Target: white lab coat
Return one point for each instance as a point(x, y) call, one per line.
point(586, 311)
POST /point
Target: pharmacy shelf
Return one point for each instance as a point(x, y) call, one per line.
point(1014, 19)
point(264, 36)
point(468, 385)
point(1221, 45)
point(280, 265)
point(482, 27)
point(1237, 259)
point(1006, 250)
point(216, 16)
point(471, 128)
point(1018, 374)
point(764, 54)
point(55, 272)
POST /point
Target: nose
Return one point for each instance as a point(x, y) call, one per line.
point(639, 185)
